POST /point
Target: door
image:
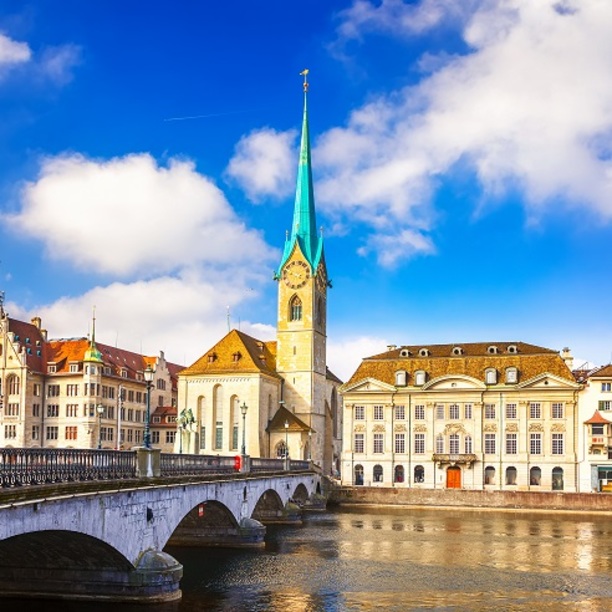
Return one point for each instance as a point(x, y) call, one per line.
point(453, 477)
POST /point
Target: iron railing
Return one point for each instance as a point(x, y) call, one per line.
point(188, 465)
point(262, 464)
point(31, 466)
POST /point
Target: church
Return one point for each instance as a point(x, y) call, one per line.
point(273, 398)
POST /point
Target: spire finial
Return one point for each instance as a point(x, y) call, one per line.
point(304, 73)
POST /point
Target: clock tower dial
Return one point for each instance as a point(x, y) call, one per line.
point(296, 274)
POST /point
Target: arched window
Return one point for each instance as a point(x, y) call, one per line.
point(235, 421)
point(281, 450)
point(557, 479)
point(218, 416)
point(13, 385)
point(359, 474)
point(400, 378)
point(398, 475)
point(377, 473)
point(202, 420)
point(419, 474)
point(535, 476)
point(489, 475)
point(295, 309)
point(491, 376)
point(511, 476)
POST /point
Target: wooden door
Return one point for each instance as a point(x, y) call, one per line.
point(453, 477)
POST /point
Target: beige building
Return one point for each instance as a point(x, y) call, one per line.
point(290, 397)
point(75, 393)
point(472, 416)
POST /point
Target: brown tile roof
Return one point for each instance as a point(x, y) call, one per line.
point(601, 372)
point(471, 360)
point(236, 352)
point(597, 419)
point(282, 416)
point(30, 336)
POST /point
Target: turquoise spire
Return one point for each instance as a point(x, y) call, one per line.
point(304, 228)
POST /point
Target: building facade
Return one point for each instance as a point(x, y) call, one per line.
point(496, 416)
point(75, 393)
point(288, 395)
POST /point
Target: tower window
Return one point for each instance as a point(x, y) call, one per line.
point(295, 309)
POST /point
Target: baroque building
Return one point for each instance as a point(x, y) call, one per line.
point(496, 416)
point(76, 393)
point(275, 398)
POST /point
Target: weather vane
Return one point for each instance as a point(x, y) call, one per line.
point(304, 73)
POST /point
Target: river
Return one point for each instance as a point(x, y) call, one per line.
point(399, 559)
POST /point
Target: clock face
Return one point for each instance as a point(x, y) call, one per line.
point(296, 274)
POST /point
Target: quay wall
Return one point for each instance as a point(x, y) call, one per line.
point(518, 500)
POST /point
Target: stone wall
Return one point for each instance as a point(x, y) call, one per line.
point(546, 500)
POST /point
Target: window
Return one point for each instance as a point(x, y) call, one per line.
point(453, 411)
point(295, 309)
point(161, 383)
point(51, 370)
point(37, 389)
point(12, 409)
point(400, 413)
point(489, 444)
point(453, 444)
point(359, 474)
point(419, 378)
point(71, 432)
point(419, 443)
point(557, 479)
point(489, 411)
point(219, 435)
point(491, 376)
point(378, 443)
point(467, 442)
point(52, 410)
point(35, 432)
point(202, 438)
point(511, 476)
point(170, 436)
point(400, 378)
point(606, 387)
point(535, 410)
point(557, 410)
point(359, 445)
point(439, 411)
point(377, 473)
point(511, 444)
point(511, 411)
point(439, 444)
point(419, 474)
point(535, 476)
point(557, 444)
point(52, 433)
point(72, 410)
point(72, 390)
point(467, 411)
point(535, 443)
point(10, 432)
point(511, 376)
point(597, 430)
point(398, 475)
point(35, 410)
point(130, 395)
point(74, 368)
point(605, 405)
point(359, 413)
point(155, 437)
point(400, 443)
point(419, 412)
point(234, 437)
point(489, 475)
point(378, 413)
point(13, 385)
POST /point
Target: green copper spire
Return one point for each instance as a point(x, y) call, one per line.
point(92, 353)
point(304, 228)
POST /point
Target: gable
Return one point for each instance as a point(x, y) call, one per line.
point(454, 382)
point(548, 381)
point(368, 385)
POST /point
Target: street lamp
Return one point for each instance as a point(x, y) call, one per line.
point(148, 376)
point(100, 410)
point(286, 439)
point(243, 410)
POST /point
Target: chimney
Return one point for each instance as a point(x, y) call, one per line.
point(566, 355)
point(36, 322)
point(391, 347)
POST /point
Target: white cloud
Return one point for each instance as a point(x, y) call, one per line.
point(129, 216)
point(263, 164)
point(13, 52)
point(345, 354)
point(528, 108)
point(57, 63)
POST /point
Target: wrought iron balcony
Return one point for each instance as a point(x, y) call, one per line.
point(454, 458)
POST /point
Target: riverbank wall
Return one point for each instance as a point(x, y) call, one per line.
point(518, 500)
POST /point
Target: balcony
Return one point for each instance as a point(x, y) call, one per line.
point(454, 459)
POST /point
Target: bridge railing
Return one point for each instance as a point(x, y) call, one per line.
point(185, 465)
point(30, 466)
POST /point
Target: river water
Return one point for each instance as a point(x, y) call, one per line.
point(398, 559)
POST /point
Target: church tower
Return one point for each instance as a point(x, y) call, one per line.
point(302, 307)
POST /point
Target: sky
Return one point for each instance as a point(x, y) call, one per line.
point(461, 151)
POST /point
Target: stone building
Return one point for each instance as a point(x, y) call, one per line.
point(290, 397)
point(75, 393)
point(496, 416)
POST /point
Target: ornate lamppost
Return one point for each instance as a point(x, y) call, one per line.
point(100, 411)
point(148, 376)
point(243, 411)
point(286, 439)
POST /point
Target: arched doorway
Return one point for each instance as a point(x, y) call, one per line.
point(453, 477)
point(557, 479)
point(359, 474)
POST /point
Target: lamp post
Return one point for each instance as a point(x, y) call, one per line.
point(148, 376)
point(243, 410)
point(286, 439)
point(100, 411)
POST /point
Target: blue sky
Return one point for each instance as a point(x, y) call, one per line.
point(461, 153)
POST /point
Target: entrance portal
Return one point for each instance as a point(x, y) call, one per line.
point(453, 477)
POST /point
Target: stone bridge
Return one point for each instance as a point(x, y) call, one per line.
point(105, 540)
